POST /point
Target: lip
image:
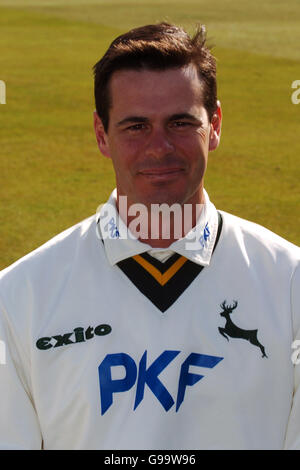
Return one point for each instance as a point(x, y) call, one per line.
point(161, 172)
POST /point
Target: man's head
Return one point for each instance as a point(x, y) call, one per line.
point(155, 47)
point(157, 113)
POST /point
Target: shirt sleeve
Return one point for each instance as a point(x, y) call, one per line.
point(292, 441)
point(19, 426)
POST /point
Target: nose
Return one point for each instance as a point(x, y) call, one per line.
point(159, 144)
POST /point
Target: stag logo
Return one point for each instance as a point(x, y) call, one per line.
point(234, 331)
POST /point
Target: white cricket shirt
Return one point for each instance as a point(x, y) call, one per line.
point(109, 348)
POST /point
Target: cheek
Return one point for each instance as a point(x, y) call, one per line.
point(198, 138)
point(203, 140)
point(130, 155)
point(195, 149)
point(127, 148)
point(123, 158)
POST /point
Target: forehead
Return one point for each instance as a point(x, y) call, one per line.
point(146, 91)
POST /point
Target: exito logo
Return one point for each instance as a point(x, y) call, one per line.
point(296, 94)
point(2, 353)
point(2, 92)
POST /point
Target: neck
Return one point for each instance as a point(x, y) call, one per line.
point(159, 225)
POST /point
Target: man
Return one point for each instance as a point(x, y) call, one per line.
point(170, 333)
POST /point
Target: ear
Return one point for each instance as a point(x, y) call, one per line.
point(101, 136)
point(215, 128)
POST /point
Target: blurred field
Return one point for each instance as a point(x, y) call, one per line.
point(52, 174)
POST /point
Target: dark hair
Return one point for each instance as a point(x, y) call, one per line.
point(155, 47)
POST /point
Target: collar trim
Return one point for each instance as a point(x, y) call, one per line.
point(120, 244)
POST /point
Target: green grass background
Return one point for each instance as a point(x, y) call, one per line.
point(52, 174)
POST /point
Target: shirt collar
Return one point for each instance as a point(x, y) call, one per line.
point(120, 243)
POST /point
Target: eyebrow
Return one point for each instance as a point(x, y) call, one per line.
point(177, 117)
point(173, 117)
point(131, 119)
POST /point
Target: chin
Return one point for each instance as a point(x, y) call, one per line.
point(162, 197)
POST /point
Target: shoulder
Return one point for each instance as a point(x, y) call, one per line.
point(37, 288)
point(257, 240)
point(32, 287)
point(52, 261)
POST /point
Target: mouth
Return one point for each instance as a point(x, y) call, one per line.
point(161, 173)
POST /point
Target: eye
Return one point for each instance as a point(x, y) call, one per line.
point(181, 124)
point(136, 127)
